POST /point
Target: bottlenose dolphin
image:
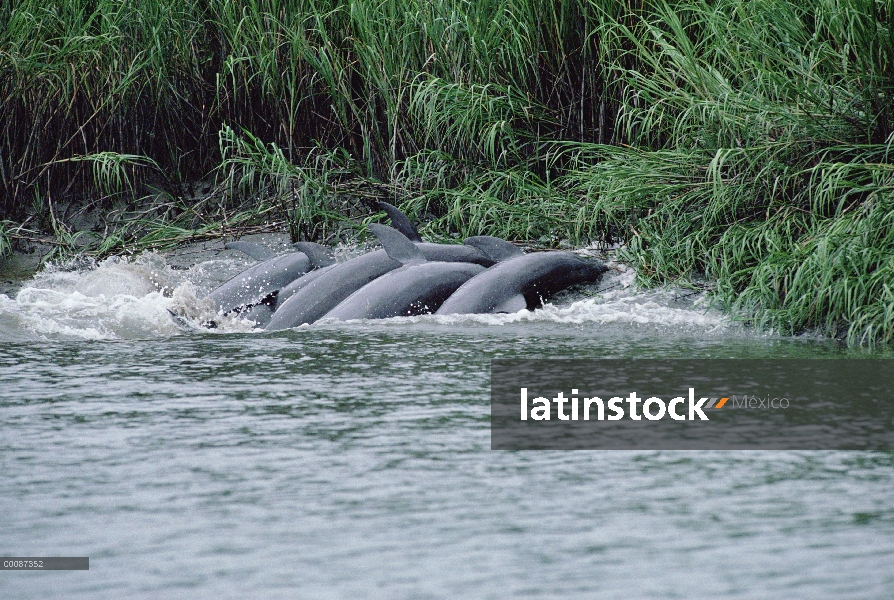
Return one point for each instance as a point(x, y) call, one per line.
point(318, 255)
point(320, 260)
point(521, 282)
point(327, 290)
point(311, 297)
point(257, 282)
point(418, 287)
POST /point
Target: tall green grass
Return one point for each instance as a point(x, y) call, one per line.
point(742, 145)
point(760, 157)
point(380, 78)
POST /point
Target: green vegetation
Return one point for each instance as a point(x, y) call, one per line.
point(743, 145)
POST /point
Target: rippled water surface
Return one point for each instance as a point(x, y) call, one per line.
point(353, 460)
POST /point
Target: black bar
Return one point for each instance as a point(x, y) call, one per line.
point(44, 563)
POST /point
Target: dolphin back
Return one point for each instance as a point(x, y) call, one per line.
point(453, 253)
point(254, 284)
point(535, 276)
point(411, 290)
point(494, 248)
point(327, 290)
point(299, 284)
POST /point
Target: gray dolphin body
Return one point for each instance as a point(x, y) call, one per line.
point(259, 313)
point(521, 282)
point(329, 288)
point(311, 297)
point(453, 253)
point(409, 290)
point(418, 287)
point(299, 284)
point(320, 260)
point(256, 283)
point(433, 252)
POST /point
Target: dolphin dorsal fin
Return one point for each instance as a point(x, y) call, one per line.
point(401, 222)
point(256, 251)
point(396, 245)
point(493, 247)
point(319, 255)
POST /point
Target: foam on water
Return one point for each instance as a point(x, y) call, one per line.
point(616, 300)
point(118, 298)
point(132, 298)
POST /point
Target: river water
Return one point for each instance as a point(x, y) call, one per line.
point(352, 460)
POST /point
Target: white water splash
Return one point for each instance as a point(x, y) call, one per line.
point(645, 309)
point(616, 300)
point(118, 298)
point(143, 297)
